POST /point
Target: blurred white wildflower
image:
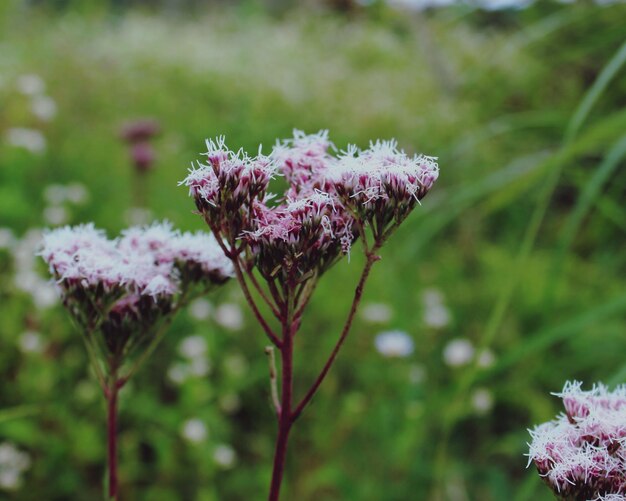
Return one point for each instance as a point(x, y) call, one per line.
point(55, 215)
point(7, 239)
point(458, 352)
point(44, 108)
point(30, 84)
point(394, 344)
point(26, 278)
point(225, 456)
point(229, 316)
point(199, 366)
point(57, 194)
point(178, 372)
point(486, 358)
point(193, 346)
point(417, 374)
point(376, 313)
point(29, 139)
point(54, 194)
point(194, 350)
point(30, 342)
point(419, 5)
point(482, 401)
point(76, 193)
point(194, 430)
point(200, 309)
point(504, 4)
point(436, 315)
point(45, 295)
point(13, 463)
point(138, 216)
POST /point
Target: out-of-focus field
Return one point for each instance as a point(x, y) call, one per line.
point(509, 278)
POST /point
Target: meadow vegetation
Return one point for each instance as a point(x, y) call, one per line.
point(508, 280)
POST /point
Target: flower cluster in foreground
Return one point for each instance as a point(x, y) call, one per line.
point(582, 453)
point(124, 292)
point(329, 200)
point(281, 245)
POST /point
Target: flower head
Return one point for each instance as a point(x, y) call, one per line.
point(394, 343)
point(304, 161)
point(299, 237)
point(328, 202)
point(382, 184)
point(581, 454)
point(226, 186)
point(126, 285)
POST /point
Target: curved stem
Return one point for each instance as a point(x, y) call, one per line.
point(302, 300)
point(255, 310)
point(93, 358)
point(358, 293)
point(284, 414)
point(233, 255)
point(111, 396)
point(262, 293)
point(276, 294)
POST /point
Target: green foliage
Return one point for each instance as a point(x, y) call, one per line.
point(523, 236)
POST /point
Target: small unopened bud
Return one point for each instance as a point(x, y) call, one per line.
point(140, 131)
point(143, 156)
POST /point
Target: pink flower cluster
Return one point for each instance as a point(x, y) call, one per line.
point(297, 237)
point(328, 203)
point(582, 454)
point(382, 184)
point(304, 160)
point(129, 283)
point(225, 187)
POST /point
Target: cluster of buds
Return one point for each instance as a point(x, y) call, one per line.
point(227, 186)
point(581, 454)
point(299, 237)
point(304, 160)
point(124, 287)
point(328, 202)
point(381, 185)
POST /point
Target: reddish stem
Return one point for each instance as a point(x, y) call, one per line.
point(255, 310)
point(284, 417)
point(111, 396)
point(358, 293)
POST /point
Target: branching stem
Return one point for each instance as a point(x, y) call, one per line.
point(372, 257)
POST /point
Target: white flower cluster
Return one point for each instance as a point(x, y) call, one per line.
point(382, 183)
point(145, 260)
point(13, 463)
point(582, 454)
point(394, 344)
point(42, 107)
point(27, 277)
point(314, 222)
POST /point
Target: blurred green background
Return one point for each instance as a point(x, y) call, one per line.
point(509, 279)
